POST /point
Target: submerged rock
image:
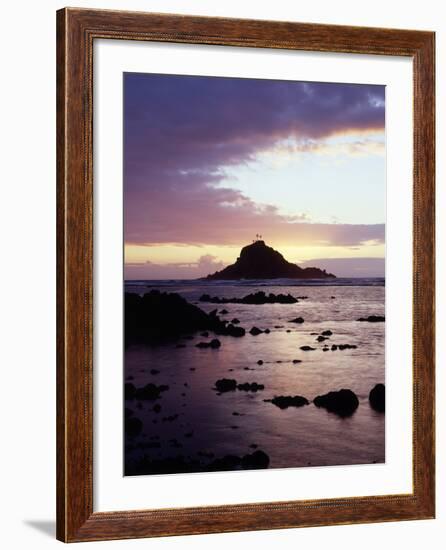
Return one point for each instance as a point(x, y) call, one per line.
point(226, 384)
point(250, 387)
point(298, 320)
point(231, 330)
point(307, 348)
point(377, 398)
point(214, 344)
point(327, 333)
point(255, 331)
point(285, 401)
point(343, 402)
point(373, 319)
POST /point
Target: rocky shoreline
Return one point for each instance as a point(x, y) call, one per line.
point(166, 319)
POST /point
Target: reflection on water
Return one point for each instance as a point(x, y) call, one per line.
point(235, 423)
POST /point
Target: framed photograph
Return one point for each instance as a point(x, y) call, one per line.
point(245, 275)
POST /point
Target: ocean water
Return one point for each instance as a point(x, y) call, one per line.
point(198, 424)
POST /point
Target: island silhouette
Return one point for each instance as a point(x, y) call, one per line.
point(259, 261)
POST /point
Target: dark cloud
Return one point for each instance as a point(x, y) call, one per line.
point(181, 131)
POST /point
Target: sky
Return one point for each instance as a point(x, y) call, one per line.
point(210, 162)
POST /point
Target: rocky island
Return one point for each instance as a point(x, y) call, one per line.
point(259, 261)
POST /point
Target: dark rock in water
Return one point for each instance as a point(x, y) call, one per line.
point(325, 348)
point(150, 392)
point(257, 298)
point(327, 333)
point(307, 348)
point(226, 384)
point(256, 460)
point(321, 338)
point(133, 426)
point(346, 346)
point(231, 330)
point(224, 312)
point(129, 390)
point(250, 387)
point(377, 398)
point(159, 317)
point(214, 344)
point(285, 401)
point(228, 462)
point(333, 297)
point(235, 321)
point(373, 319)
point(259, 261)
point(260, 362)
point(255, 331)
point(298, 320)
point(288, 330)
point(343, 402)
point(334, 347)
point(295, 361)
point(267, 331)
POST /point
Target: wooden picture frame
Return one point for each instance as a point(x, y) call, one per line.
point(76, 31)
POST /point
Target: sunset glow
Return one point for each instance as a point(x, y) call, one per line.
point(211, 162)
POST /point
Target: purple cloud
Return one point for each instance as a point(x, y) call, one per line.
point(180, 131)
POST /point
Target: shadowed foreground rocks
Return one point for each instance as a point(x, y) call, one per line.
point(377, 398)
point(343, 402)
point(159, 317)
point(183, 464)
